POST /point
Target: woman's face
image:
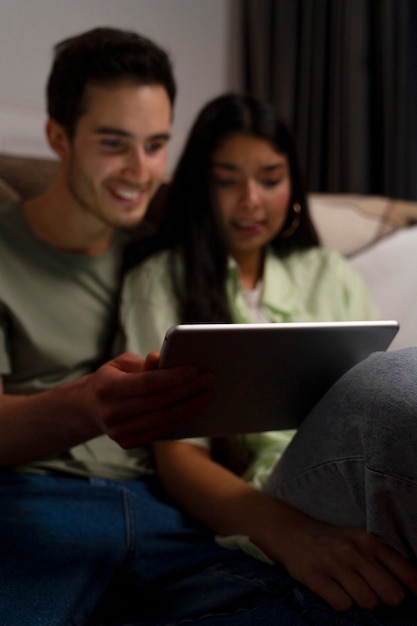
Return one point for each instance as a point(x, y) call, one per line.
point(253, 187)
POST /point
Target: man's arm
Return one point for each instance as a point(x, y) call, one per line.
point(127, 398)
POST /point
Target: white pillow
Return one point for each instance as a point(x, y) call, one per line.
point(389, 270)
point(348, 222)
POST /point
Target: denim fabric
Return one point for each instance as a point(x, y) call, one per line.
point(74, 551)
point(353, 462)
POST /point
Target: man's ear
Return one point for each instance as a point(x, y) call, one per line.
point(57, 138)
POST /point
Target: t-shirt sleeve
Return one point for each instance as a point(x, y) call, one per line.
point(148, 307)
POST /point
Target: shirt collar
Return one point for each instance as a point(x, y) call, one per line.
point(278, 298)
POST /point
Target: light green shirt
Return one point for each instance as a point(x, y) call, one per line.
point(315, 285)
point(312, 285)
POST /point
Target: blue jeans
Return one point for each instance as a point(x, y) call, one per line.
point(75, 552)
point(353, 462)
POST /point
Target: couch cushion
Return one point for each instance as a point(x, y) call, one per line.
point(349, 223)
point(7, 192)
point(27, 176)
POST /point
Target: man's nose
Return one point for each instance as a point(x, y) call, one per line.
point(137, 164)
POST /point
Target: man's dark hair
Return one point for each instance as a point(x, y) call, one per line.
point(102, 56)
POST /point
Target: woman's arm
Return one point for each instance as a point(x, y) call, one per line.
point(344, 566)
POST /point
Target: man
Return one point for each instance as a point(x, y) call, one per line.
point(86, 534)
point(111, 138)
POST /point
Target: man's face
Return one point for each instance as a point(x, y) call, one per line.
point(118, 154)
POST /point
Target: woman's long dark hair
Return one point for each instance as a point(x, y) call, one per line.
point(192, 226)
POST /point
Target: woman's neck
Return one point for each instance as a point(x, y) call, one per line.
point(250, 268)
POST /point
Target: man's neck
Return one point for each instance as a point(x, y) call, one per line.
point(53, 218)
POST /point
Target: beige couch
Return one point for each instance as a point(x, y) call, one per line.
point(378, 234)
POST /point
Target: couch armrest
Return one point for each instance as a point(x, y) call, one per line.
point(25, 176)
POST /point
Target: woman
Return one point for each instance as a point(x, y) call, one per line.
point(237, 245)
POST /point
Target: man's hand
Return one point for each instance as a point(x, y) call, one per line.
point(136, 403)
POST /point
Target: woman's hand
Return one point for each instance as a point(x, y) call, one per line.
point(345, 566)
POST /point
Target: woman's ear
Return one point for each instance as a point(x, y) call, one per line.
point(57, 138)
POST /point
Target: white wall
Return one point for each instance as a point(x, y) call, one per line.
point(200, 35)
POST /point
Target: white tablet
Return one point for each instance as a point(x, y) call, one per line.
point(269, 376)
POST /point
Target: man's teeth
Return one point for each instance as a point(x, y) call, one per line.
point(127, 194)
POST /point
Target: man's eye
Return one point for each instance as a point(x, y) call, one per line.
point(154, 146)
point(113, 145)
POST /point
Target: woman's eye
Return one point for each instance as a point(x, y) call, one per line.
point(270, 182)
point(224, 183)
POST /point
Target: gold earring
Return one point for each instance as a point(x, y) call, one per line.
point(294, 224)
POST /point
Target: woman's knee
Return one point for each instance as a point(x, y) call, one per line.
point(384, 379)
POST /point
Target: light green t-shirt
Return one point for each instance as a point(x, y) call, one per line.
point(306, 286)
point(56, 310)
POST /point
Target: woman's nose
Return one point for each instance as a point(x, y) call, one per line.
point(251, 194)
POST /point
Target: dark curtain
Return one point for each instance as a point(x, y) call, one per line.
point(342, 74)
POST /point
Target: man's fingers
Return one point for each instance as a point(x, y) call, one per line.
point(127, 362)
point(136, 402)
point(131, 376)
point(156, 389)
point(148, 426)
point(171, 384)
point(152, 361)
